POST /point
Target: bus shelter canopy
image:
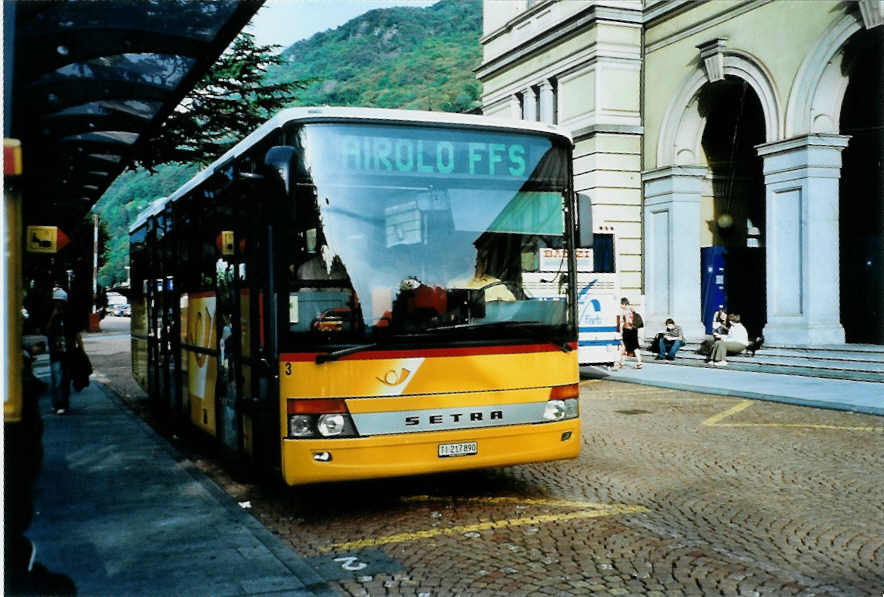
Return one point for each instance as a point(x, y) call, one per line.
point(94, 79)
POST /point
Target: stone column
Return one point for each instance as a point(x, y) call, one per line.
point(515, 107)
point(672, 247)
point(529, 103)
point(803, 286)
point(546, 102)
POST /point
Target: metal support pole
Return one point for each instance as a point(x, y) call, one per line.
point(94, 263)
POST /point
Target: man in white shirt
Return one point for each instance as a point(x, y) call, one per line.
point(734, 343)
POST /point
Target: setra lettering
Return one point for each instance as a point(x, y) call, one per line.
point(439, 419)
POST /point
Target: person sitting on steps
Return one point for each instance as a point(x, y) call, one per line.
point(734, 343)
point(671, 339)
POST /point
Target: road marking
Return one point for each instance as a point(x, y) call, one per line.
point(589, 381)
point(483, 526)
point(508, 500)
point(587, 510)
point(803, 426)
point(715, 421)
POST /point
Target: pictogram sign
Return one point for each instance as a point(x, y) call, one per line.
point(45, 239)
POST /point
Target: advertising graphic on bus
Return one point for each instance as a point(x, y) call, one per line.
point(396, 293)
point(598, 301)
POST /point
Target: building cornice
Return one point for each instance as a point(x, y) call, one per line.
point(733, 10)
point(583, 59)
point(826, 140)
point(571, 26)
point(658, 9)
point(516, 21)
point(614, 129)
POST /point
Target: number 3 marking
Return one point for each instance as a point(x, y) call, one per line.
point(349, 563)
point(288, 368)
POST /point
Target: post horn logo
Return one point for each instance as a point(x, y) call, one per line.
point(392, 378)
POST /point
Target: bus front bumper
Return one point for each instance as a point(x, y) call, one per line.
point(322, 460)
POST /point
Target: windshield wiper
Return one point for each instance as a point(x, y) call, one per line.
point(534, 327)
point(324, 357)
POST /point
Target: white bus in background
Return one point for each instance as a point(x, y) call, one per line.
point(598, 301)
point(598, 294)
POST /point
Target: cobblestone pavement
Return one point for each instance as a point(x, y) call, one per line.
point(674, 493)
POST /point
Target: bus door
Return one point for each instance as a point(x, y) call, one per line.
point(259, 365)
point(230, 271)
point(165, 306)
point(164, 353)
point(161, 367)
point(152, 290)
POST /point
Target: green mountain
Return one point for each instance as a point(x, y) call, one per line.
point(403, 57)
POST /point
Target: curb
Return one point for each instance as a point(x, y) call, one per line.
point(858, 408)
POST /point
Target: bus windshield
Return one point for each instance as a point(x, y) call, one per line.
point(417, 232)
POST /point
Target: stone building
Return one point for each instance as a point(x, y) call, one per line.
point(752, 125)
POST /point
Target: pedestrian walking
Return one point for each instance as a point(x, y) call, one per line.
point(64, 340)
point(628, 324)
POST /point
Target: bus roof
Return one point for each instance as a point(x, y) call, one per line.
point(332, 114)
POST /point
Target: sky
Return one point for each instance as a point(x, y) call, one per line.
point(286, 21)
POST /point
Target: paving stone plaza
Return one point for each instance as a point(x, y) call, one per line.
point(674, 493)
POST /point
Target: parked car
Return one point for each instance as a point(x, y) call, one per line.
point(121, 310)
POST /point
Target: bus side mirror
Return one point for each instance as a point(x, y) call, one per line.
point(279, 160)
point(584, 221)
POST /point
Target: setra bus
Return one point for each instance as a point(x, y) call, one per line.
point(355, 293)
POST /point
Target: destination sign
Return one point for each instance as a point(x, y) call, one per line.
point(424, 151)
point(424, 156)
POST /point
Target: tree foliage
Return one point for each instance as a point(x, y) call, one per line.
point(120, 205)
point(231, 101)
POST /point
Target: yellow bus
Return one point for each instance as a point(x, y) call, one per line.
point(356, 293)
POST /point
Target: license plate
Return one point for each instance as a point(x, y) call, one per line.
point(461, 449)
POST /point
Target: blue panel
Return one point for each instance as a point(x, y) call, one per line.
point(712, 283)
point(599, 343)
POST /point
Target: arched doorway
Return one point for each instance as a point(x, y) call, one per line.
point(733, 224)
point(861, 223)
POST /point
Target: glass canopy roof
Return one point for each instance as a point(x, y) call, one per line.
point(93, 79)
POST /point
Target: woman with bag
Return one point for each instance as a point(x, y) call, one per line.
point(628, 324)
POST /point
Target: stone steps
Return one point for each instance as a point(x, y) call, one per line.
point(850, 361)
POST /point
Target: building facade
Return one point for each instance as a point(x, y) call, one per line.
point(748, 133)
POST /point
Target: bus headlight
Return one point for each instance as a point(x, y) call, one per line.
point(572, 408)
point(319, 417)
point(300, 426)
point(555, 410)
point(330, 425)
point(559, 410)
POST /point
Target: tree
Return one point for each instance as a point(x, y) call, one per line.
point(230, 102)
